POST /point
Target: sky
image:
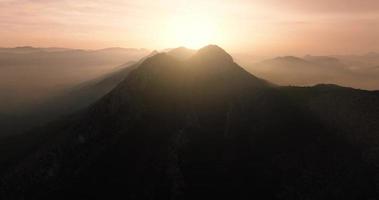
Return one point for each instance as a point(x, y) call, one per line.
point(242, 26)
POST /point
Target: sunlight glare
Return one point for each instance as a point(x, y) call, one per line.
point(193, 31)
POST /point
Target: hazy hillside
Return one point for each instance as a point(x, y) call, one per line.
point(30, 75)
point(203, 128)
point(74, 98)
point(312, 70)
point(368, 60)
point(88, 92)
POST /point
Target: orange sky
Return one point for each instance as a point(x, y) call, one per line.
point(253, 26)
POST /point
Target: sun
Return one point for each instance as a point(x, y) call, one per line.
point(192, 31)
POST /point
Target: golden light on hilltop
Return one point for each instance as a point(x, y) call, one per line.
point(192, 31)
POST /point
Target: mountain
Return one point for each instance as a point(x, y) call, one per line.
point(33, 55)
point(84, 94)
point(202, 128)
point(312, 70)
point(360, 62)
point(68, 100)
point(42, 73)
point(181, 53)
point(40, 84)
point(325, 60)
point(291, 70)
point(90, 91)
point(30, 49)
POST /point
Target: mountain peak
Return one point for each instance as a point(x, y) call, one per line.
point(181, 53)
point(213, 53)
point(153, 53)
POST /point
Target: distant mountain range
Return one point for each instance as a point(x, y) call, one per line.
point(62, 56)
point(30, 49)
point(199, 126)
point(29, 75)
point(312, 70)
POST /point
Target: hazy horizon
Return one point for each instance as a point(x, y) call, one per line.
point(235, 53)
point(293, 27)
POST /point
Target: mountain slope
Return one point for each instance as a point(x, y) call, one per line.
point(201, 128)
point(84, 94)
point(71, 99)
point(42, 73)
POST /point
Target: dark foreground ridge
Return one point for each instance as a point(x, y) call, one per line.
point(204, 128)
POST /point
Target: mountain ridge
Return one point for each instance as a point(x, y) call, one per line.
point(202, 128)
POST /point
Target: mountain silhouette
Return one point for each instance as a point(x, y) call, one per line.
point(181, 53)
point(204, 128)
